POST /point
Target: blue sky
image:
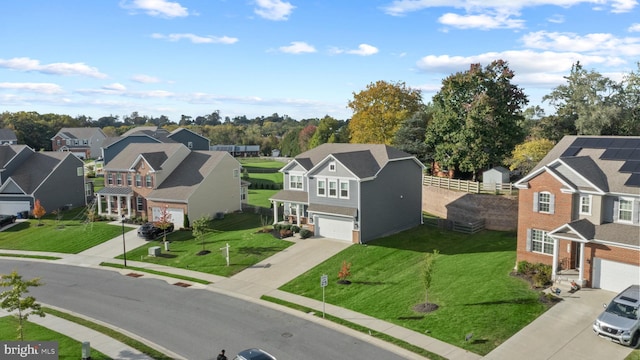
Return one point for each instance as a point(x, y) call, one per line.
point(304, 59)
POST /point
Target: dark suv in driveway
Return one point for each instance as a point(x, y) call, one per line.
point(7, 219)
point(149, 231)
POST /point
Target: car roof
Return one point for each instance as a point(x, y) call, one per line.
point(630, 296)
point(256, 354)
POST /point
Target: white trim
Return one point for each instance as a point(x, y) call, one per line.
point(329, 182)
point(580, 204)
point(559, 160)
point(631, 200)
point(323, 188)
point(340, 189)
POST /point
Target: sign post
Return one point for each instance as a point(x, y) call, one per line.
point(324, 280)
point(225, 252)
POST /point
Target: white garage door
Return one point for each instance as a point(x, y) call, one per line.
point(177, 216)
point(614, 276)
point(335, 228)
point(13, 207)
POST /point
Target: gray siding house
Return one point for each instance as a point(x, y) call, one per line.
point(352, 192)
point(27, 175)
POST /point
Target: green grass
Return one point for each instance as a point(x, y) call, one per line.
point(68, 348)
point(257, 163)
point(145, 349)
point(68, 235)
point(151, 271)
point(239, 230)
point(362, 329)
point(260, 197)
point(41, 257)
point(471, 284)
point(263, 184)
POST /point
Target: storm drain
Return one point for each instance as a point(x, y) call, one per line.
point(181, 284)
point(135, 275)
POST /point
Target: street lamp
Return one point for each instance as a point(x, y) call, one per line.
point(124, 248)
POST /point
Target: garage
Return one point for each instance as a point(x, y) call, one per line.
point(613, 275)
point(176, 216)
point(334, 227)
point(14, 207)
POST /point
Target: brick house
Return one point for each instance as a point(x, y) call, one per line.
point(579, 211)
point(84, 143)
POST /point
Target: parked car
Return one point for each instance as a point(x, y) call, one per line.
point(150, 231)
point(7, 219)
point(619, 321)
point(254, 354)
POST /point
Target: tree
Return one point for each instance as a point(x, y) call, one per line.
point(379, 111)
point(164, 222)
point(428, 265)
point(201, 227)
point(38, 211)
point(326, 132)
point(344, 273)
point(477, 118)
point(411, 135)
point(526, 155)
point(12, 299)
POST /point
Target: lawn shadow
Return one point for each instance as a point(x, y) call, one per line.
point(522, 301)
point(167, 256)
point(257, 250)
point(370, 282)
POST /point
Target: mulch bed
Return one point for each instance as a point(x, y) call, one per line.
point(425, 307)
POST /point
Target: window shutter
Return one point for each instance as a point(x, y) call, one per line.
point(552, 203)
point(616, 208)
point(636, 212)
point(535, 202)
point(528, 240)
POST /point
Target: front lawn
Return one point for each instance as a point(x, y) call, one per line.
point(69, 235)
point(240, 230)
point(68, 348)
point(471, 284)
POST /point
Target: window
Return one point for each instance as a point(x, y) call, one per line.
point(85, 142)
point(88, 189)
point(543, 202)
point(333, 188)
point(58, 142)
point(585, 204)
point(139, 203)
point(344, 189)
point(332, 166)
point(128, 179)
point(147, 180)
point(295, 182)
point(138, 180)
point(119, 179)
point(109, 179)
point(236, 173)
point(322, 187)
point(625, 210)
point(541, 242)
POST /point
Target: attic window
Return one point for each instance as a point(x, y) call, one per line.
point(332, 166)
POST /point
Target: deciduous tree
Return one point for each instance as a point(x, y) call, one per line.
point(164, 222)
point(411, 135)
point(38, 211)
point(477, 118)
point(526, 155)
point(13, 300)
point(201, 227)
point(379, 111)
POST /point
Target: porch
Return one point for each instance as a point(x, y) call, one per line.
point(118, 202)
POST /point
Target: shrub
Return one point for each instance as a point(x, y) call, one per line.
point(295, 229)
point(284, 233)
point(542, 274)
point(304, 233)
point(525, 267)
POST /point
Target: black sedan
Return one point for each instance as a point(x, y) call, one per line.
point(150, 231)
point(7, 219)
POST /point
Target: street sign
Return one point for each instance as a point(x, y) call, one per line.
point(324, 280)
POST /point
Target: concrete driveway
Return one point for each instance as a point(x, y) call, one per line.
point(564, 332)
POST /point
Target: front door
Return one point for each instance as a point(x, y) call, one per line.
point(577, 255)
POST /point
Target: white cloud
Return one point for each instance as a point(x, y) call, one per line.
point(596, 43)
point(481, 21)
point(145, 79)
point(196, 39)
point(115, 87)
point(364, 50)
point(27, 64)
point(274, 9)
point(41, 88)
point(403, 7)
point(161, 8)
point(298, 47)
point(634, 27)
point(556, 19)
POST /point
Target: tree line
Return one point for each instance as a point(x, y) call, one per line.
point(478, 119)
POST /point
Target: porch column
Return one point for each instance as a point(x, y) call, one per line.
point(119, 206)
point(99, 200)
point(581, 270)
point(554, 265)
point(298, 214)
point(129, 206)
point(109, 204)
point(275, 211)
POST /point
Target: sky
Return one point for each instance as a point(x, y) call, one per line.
point(304, 59)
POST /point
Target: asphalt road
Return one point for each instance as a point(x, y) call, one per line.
point(193, 323)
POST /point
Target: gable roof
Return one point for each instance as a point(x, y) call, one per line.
point(154, 154)
point(8, 134)
point(186, 178)
point(594, 163)
point(8, 152)
point(179, 130)
point(79, 132)
point(35, 169)
point(363, 160)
